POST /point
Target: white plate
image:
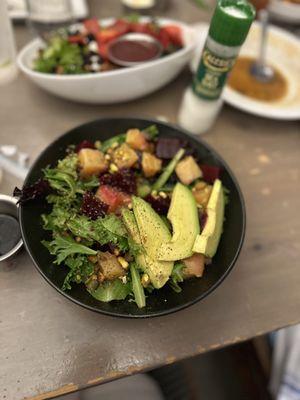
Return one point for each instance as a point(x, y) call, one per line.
point(113, 86)
point(17, 9)
point(284, 53)
point(285, 11)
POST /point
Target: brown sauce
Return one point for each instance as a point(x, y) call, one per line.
point(10, 233)
point(134, 50)
point(243, 82)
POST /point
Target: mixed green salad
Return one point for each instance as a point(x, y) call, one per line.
point(131, 214)
point(83, 48)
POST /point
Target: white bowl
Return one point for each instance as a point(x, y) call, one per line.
point(112, 86)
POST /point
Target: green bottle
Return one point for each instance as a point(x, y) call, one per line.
point(228, 30)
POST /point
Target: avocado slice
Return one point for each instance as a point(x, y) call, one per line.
point(158, 271)
point(183, 215)
point(207, 243)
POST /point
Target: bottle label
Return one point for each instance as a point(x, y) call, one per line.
point(212, 73)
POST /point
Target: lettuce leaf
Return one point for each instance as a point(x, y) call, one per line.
point(62, 247)
point(112, 290)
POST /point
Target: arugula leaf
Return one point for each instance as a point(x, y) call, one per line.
point(111, 290)
point(137, 288)
point(176, 277)
point(62, 247)
point(80, 270)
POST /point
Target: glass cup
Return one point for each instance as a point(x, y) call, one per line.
point(46, 16)
point(8, 68)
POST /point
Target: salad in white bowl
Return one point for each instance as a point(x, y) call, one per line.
point(75, 65)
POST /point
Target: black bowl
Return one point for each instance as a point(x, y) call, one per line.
point(165, 300)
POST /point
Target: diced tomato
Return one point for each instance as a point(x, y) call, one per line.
point(92, 25)
point(121, 26)
point(175, 34)
point(164, 39)
point(139, 28)
point(76, 39)
point(106, 35)
point(112, 197)
point(102, 49)
point(210, 172)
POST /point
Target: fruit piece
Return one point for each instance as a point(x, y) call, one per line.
point(121, 26)
point(112, 197)
point(136, 139)
point(106, 35)
point(151, 165)
point(188, 170)
point(91, 162)
point(175, 34)
point(183, 215)
point(124, 156)
point(207, 242)
point(92, 25)
point(76, 39)
point(158, 271)
point(194, 266)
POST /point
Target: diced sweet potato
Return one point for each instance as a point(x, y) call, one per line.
point(91, 162)
point(194, 266)
point(151, 165)
point(109, 266)
point(136, 140)
point(188, 170)
point(124, 156)
point(202, 192)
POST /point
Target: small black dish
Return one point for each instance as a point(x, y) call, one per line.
point(165, 300)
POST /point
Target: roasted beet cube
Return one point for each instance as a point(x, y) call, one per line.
point(166, 148)
point(210, 172)
point(92, 206)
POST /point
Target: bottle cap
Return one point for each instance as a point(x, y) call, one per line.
point(231, 22)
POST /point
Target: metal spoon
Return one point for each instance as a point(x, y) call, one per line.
point(260, 70)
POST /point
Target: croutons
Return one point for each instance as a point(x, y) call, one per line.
point(202, 192)
point(136, 139)
point(194, 266)
point(188, 170)
point(151, 165)
point(124, 156)
point(91, 162)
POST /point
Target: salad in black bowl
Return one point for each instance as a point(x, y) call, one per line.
point(125, 216)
